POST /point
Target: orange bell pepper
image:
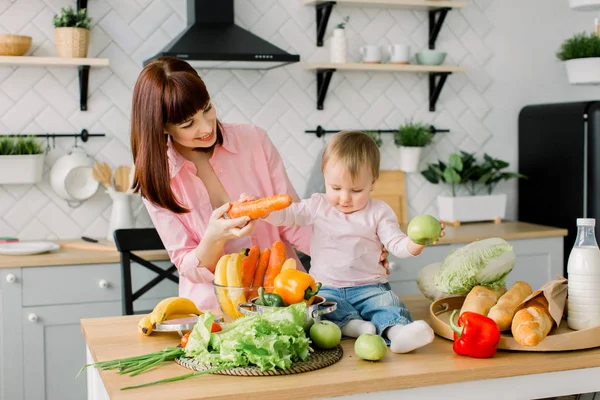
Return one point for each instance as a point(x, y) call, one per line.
point(295, 286)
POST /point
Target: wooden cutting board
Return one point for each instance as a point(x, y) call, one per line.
point(391, 189)
point(103, 245)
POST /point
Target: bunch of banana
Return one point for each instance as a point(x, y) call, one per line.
point(167, 309)
point(229, 273)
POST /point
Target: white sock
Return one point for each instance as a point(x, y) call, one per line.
point(405, 338)
point(356, 327)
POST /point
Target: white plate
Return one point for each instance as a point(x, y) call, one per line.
point(27, 248)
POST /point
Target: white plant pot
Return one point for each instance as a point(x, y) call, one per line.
point(410, 157)
point(583, 71)
point(21, 169)
point(339, 48)
point(584, 5)
point(472, 208)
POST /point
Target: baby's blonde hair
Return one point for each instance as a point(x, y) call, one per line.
point(353, 149)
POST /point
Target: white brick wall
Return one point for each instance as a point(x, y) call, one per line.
point(283, 101)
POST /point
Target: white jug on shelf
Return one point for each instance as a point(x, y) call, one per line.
point(339, 47)
point(121, 216)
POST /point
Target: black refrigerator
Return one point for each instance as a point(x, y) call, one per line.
point(559, 151)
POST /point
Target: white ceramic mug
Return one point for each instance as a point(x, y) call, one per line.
point(399, 53)
point(371, 53)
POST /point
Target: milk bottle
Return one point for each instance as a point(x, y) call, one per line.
point(583, 269)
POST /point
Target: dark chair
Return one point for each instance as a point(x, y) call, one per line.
point(304, 259)
point(128, 241)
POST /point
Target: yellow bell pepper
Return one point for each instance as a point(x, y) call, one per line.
point(294, 286)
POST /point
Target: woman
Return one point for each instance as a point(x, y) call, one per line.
point(189, 166)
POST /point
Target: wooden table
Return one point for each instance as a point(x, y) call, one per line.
point(430, 372)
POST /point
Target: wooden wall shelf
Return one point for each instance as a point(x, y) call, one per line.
point(437, 10)
point(83, 64)
point(408, 4)
point(54, 61)
point(437, 76)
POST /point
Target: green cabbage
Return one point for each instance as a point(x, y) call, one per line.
point(484, 262)
point(426, 282)
point(273, 339)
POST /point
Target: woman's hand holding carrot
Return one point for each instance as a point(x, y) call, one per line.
point(216, 233)
point(220, 229)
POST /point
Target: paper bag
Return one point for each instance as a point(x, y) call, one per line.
point(555, 292)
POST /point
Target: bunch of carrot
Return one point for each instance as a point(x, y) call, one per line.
point(261, 268)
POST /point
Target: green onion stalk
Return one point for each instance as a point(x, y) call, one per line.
point(139, 364)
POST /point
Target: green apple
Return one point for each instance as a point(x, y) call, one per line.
point(424, 229)
point(325, 334)
point(370, 347)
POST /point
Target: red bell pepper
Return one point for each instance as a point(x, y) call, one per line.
point(475, 336)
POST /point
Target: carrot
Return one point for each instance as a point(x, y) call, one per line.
point(259, 274)
point(259, 208)
point(278, 256)
point(249, 266)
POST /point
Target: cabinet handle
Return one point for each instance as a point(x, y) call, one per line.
point(32, 317)
point(103, 284)
point(11, 278)
point(392, 265)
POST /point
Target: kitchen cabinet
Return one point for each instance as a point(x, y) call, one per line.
point(41, 346)
point(11, 342)
point(52, 348)
point(538, 260)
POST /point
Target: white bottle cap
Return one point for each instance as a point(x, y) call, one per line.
point(586, 221)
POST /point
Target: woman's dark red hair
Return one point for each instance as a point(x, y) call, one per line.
point(168, 90)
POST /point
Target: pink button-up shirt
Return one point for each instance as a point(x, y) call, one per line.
point(345, 248)
point(246, 162)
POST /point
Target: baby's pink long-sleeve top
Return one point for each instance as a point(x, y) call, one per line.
point(345, 248)
point(246, 162)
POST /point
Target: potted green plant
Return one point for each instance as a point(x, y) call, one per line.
point(411, 137)
point(21, 160)
point(375, 136)
point(72, 32)
point(462, 171)
point(581, 55)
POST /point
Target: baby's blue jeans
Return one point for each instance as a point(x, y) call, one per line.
point(375, 303)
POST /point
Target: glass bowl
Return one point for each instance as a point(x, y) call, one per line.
point(229, 297)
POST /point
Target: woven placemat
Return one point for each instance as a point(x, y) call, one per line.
point(316, 360)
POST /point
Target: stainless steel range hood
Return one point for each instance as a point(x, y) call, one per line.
point(212, 40)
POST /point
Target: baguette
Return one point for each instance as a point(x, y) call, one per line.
point(480, 299)
point(504, 310)
point(533, 322)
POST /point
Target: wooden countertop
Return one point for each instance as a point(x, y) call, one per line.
point(435, 364)
point(74, 252)
point(99, 254)
point(507, 230)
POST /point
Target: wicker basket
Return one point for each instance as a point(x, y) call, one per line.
point(72, 42)
point(14, 45)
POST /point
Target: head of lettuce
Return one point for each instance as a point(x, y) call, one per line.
point(273, 339)
point(484, 262)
